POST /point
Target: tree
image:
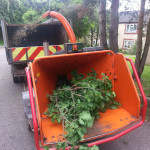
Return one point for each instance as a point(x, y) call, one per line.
point(145, 51)
point(11, 11)
point(102, 24)
point(139, 39)
point(113, 31)
point(81, 23)
point(29, 16)
point(85, 20)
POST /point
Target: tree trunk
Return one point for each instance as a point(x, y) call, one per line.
point(139, 38)
point(97, 33)
point(102, 24)
point(146, 48)
point(92, 37)
point(113, 31)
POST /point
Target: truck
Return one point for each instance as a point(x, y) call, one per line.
point(24, 42)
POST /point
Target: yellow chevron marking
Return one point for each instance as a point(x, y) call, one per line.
point(52, 49)
point(31, 50)
point(41, 53)
point(16, 52)
point(62, 46)
point(23, 58)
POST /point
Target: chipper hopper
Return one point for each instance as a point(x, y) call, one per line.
point(112, 124)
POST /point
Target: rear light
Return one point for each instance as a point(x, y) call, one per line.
point(73, 47)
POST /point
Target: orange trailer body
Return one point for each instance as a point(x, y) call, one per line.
point(45, 70)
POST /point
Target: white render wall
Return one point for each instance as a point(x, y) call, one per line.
point(122, 35)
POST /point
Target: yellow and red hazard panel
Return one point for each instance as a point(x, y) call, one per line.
point(30, 53)
point(19, 54)
point(35, 52)
point(54, 48)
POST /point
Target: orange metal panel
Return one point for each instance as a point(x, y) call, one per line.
point(45, 71)
point(109, 122)
point(125, 89)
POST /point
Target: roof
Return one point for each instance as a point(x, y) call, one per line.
point(132, 16)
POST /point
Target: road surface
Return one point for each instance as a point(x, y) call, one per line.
point(14, 133)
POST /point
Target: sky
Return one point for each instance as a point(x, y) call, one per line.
point(130, 5)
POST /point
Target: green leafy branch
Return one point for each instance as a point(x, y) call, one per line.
point(76, 106)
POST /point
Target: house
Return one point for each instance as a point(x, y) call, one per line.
point(127, 30)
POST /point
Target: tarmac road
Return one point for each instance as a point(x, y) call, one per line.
point(14, 133)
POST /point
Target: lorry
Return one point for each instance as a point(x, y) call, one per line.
point(24, 42)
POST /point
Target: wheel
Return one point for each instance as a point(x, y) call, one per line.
point(15, 79)
point(19, 79)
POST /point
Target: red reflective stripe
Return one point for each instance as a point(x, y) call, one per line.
point(37, 47)
point(50, 53)
point(20, 55)
point(59, 48)
point(13, 49)
point(28, 48)
point(55, 47)
point(35, 53)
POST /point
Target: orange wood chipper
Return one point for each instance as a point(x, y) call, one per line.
point(113, 123)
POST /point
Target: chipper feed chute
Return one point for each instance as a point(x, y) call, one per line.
point(45, 71)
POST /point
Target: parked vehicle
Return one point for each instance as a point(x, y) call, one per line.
point(24, 43)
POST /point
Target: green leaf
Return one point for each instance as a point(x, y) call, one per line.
point(83, 147)
point(94, 147)
point(46, 148)
point(79, 105)
point(113, 107)
point(59, 120)
point(53, 120)
point(81, 121)
point(114, 94)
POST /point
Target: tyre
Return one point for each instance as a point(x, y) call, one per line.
point(19, 79)
point(15, 79)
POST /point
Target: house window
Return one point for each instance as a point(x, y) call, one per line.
point(131, 28)
point(128, 44)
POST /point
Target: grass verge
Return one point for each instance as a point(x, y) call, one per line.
point(1, 42)
point(145, 78)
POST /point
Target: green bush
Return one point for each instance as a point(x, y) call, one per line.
point(125, 51)
point(29, 16)
point(133, 49)
point(120, 50)
point(1, 42)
